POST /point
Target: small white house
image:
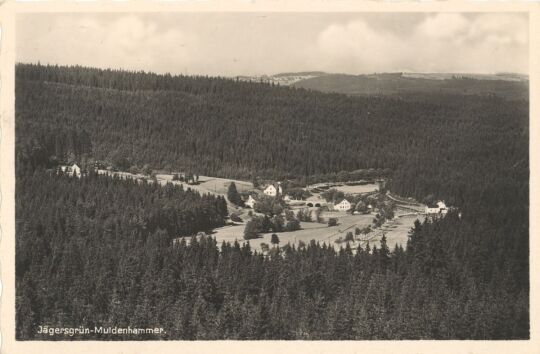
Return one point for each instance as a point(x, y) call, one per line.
point(440, 208)
point(344, 205)
point(272, 190)
point(250, 202)
point(73, 170)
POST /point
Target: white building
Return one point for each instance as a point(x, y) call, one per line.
point(439, 209)
point(250, 202)
point(272, 191)
point(344, 205)
point(73, 170)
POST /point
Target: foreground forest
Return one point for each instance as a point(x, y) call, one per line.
point(95, 251)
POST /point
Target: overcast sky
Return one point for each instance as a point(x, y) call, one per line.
point(230, 44)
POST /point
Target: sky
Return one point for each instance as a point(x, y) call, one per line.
point(232, 44)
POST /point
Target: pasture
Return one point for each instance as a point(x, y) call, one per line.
point(359, 189)
point(396, 231)
point(207, 184)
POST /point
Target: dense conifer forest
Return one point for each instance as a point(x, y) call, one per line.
point(100, 251)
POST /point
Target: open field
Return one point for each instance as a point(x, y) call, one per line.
point(360, 189)
point(207, 184)
point(396, 232)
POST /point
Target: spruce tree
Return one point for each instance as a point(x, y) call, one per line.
point(233, 195)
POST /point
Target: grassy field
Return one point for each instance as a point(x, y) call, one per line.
point(396, 232)
point(207, 184)
point(366, 188)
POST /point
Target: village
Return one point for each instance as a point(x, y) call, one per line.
point(357, 213)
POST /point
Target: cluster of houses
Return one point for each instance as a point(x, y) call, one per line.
point(273, 190)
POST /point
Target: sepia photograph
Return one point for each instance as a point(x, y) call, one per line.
point(261, 176)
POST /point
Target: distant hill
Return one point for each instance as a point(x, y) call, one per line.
point(302, 73)
point(282, 79)
point(447, 76)
point(509, 86)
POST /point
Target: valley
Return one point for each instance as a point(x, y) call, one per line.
point(396, 229)
point(192, 168)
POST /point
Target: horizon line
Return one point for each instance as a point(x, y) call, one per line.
point(307, 71)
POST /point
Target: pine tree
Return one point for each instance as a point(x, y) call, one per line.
point(233, 195)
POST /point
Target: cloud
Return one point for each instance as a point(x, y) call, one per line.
point(446, 42)
point(125, 41)
point(130, 41)
point(246, 44)
point(355, 46)
point(443, 26)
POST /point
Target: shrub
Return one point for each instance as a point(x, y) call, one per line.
point(252, 230)
point(236, 218)
point(292, 225)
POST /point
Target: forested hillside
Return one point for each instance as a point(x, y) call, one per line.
point(94, 251)
point(220, 127)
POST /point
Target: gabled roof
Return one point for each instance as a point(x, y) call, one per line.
point(341, 201)
point(277, 187)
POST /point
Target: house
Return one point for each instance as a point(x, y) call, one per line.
point(344, 205)
point(250, 202)
point(73, 170)
point(439, 208)
point(286, 198)
point(272, 190)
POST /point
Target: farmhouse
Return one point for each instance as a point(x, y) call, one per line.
point(272, 190)
point(344, 205)
point(439, 208)
point(250, 202)
point(73, 170)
